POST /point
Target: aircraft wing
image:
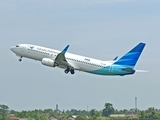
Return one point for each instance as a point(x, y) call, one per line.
point(60, 59)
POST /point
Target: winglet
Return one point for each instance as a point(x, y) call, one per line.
point(65, 50)
point(115, 58)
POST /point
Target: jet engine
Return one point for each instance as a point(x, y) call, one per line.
point(48, 62)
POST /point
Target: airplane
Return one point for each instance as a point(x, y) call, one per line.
point(71, 62)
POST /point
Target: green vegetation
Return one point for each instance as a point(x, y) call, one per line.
point(108, 110)
point(3, 112)
point(104, 114)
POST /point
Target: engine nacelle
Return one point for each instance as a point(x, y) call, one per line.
point(47, 62)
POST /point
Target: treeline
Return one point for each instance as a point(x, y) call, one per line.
point(3, 112)
point(104, 114)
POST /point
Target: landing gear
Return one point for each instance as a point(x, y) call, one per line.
point(20, 59)
point(69, 70)
point(66, 71)
point(72, 71)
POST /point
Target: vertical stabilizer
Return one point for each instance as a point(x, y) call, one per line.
point(131, 58)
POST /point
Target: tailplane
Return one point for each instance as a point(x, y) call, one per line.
point(130, 59)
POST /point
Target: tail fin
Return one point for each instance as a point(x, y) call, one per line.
point(131, 58)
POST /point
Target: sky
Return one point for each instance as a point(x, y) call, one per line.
point(100, 29)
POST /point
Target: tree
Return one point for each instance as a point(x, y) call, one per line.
point(142, 114)
point(95, 113)
point(80, 118)
point(108, 109)
point(12, 111)
point(3, 112)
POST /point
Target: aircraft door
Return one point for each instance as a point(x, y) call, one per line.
point(111, 69)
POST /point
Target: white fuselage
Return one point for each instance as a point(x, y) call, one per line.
point(47, 57)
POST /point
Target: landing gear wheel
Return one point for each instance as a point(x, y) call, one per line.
point(72, 71)
point(67, 70)
point(20, 59)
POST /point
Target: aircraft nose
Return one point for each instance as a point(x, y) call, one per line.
point(12, 49)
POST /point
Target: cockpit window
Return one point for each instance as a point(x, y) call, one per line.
point(17, 45)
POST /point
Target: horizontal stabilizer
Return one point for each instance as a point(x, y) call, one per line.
point(142, 71)
point(115, 58)
point(128, 70)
